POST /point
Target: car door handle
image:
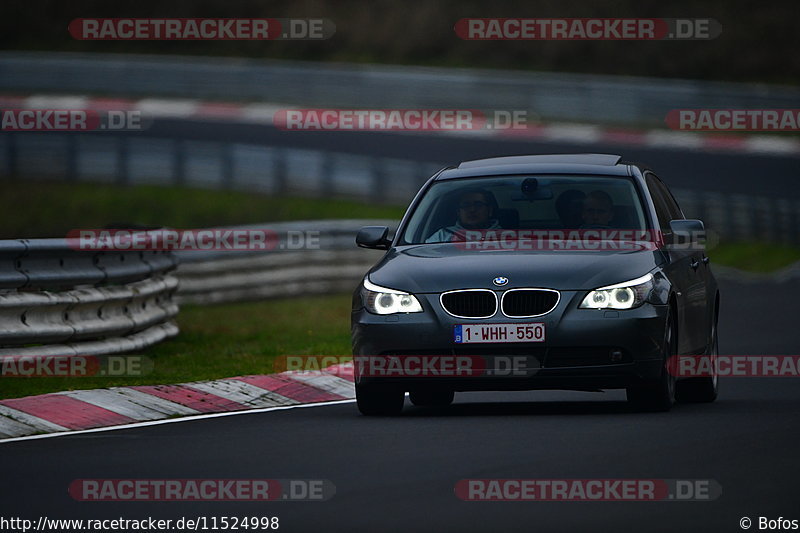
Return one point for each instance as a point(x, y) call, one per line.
point(694, 264)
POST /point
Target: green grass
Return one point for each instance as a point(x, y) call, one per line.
point(32, 208)
point(223, 341)
point(754, 257)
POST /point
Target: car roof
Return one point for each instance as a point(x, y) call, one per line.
point(604, 164)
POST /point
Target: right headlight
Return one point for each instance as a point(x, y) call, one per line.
point(626, 295)
point(383, 301)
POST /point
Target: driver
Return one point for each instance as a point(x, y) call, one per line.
point(475, 210)
point(598, 210)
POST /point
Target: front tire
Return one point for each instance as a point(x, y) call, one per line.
point(704, 389)
point(379, 401)
point(660, 395)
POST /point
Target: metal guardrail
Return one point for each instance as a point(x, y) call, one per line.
point(550, 96)
point(316, 173)
point(335, 265)
point(55, 300)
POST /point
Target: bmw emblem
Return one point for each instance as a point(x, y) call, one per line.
point(500, 281)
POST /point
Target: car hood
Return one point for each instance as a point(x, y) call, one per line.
point(433, 268)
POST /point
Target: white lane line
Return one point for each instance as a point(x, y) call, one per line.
point(176, 420)
point(11, 428)
point(114, 401)
point(154, 402)
point(30, 420)
point(326, 382)
point(241, 392)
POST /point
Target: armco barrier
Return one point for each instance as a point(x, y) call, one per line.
point(55, 300)
point(550, 96)
point(317, 173)
point(335, 265)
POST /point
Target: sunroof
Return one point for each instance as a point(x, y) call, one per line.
point(580, 159)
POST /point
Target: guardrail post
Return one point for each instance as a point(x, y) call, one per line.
point(730, 217)
point(700, 206)
point(776, 228)
point(377, 192)
point(327, 171)
point(179, 162)
point(756, 227)
point(227, 165)
point(123, 161)
point(279, 170)
point(71, 172)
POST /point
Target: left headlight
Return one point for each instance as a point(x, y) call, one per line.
point(383, 301)
point(626, 295)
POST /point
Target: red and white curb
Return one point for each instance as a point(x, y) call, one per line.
point(263, 113)
point(72, 411)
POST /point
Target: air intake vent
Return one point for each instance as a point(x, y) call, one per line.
point(470, 303)
point(524, 303)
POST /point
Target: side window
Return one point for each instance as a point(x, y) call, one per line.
point(662, 211)
point(672, 206)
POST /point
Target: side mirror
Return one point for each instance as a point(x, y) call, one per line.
point(375, 237)
point(687, 232)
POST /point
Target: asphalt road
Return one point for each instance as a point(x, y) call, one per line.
point(398, 474)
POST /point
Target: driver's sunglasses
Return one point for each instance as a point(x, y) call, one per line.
point(468, 205)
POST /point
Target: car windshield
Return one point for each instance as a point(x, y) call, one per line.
point(525, 203)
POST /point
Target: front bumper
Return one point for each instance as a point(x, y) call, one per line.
point(584, 349)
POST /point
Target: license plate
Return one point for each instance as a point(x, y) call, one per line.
point(485, 333)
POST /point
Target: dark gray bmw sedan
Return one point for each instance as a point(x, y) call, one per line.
point(575, 272)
